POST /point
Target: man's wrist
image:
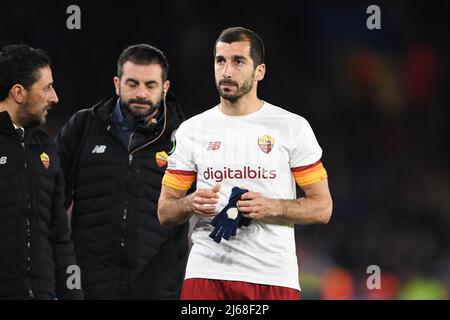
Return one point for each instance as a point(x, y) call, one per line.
point(281, 208)
point(188, 205)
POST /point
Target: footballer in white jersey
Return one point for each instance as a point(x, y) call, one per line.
point(248, 143)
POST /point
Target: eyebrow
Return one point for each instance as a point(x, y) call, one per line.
point(147, 82)
point(235, 57)
point(239, 57)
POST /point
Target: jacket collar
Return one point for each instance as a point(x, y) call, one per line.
point(131, 125)
point(7, 127)
point(104, 111)
point(119, 118)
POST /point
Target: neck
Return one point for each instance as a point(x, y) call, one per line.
point(5, 106)
point(246, 104)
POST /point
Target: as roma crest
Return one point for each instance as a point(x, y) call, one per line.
point(45, 160)
point(161, 159)
point(266, 143)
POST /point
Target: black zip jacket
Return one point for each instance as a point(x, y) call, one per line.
point(123, 251)
point(35, 246)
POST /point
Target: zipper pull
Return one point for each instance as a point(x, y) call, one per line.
point(130, 159)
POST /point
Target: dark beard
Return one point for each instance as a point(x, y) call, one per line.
point(27, 119)
point(246, 87)
point(137, 116)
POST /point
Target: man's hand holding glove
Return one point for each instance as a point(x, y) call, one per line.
point(230, 218)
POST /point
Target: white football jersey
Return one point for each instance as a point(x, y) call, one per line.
point(267, 151)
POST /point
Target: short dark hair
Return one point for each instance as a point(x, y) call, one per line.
point(257, 50)
point(143, 54)
point(20, 64)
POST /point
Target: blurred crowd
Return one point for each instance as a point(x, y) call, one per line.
point(385, 146)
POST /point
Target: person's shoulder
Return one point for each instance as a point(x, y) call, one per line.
point(42, 137)
point(79, 115)
point(79, 118)
point(277, 112)
point(200, 118)
point(103, 107)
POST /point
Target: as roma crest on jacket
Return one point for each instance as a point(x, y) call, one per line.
point(266, 143)
point(45, 160)
point(161, 158)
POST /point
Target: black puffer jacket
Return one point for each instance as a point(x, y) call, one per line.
point(123, 251)
point(35, 246)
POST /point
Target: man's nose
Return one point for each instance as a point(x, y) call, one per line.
point(227, 71)
point(142, 92)
point(53, 96)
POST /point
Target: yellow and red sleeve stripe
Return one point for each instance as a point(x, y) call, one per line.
point(309, 174)
point(179, 179)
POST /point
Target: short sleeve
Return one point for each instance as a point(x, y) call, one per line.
point(305, 155)
point(181, 171)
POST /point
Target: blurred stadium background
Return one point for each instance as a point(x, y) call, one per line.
point(378, 101)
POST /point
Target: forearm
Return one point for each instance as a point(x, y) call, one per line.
point(173, 211)
point(315, 209)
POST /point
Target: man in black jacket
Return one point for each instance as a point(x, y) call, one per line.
point(114, 156)
point(36, 255)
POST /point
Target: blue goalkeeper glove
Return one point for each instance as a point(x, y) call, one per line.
point(230, 218)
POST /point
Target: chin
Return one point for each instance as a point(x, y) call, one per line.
point(139, 112)
point(231, 98)
point(41, 120)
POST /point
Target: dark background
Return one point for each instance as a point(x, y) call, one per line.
point(376, 99)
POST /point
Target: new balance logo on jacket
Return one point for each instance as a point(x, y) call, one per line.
point(99, 149)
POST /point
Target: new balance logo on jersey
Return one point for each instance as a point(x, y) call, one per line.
point(99, 149)
point(213, 145)
point(3, 160)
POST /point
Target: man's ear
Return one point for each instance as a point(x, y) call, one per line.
point(260, 72)
point(18, 93)
point(166, 86)
point(117, 84)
